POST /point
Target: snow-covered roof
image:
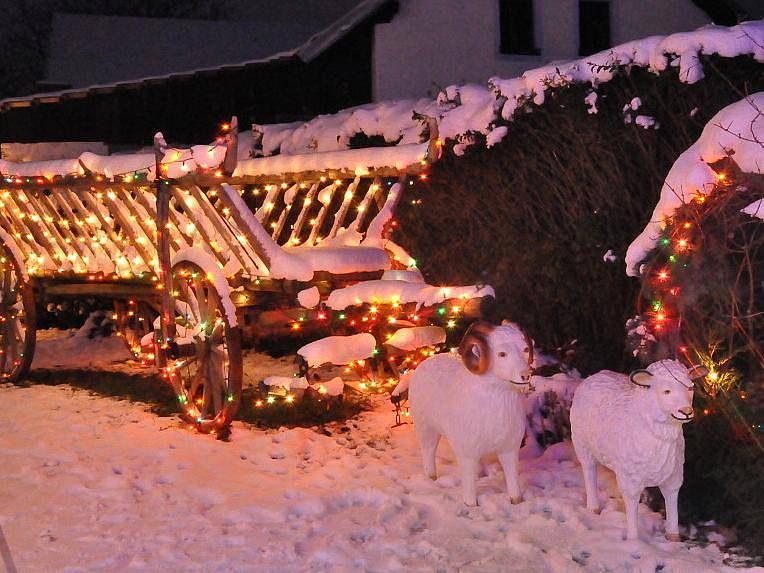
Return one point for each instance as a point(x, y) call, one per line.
point(294, 42)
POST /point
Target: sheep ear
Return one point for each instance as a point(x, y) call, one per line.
point(529, 343)
point(641, 378)
point(697, 371)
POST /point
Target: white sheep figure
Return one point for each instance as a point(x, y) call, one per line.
point(474, 400)
point(633, 426)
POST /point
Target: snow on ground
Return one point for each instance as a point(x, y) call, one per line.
point(72, 348)
point(96, 484)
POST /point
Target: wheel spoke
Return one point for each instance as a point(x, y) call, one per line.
point(191, 312)
point(201, 299)
point(216, 337)
point(14, 338)
point(6, 350)
point(216, 379)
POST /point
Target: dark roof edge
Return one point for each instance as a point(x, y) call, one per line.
point(309, 50)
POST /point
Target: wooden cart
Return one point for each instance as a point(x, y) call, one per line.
point(185, 242)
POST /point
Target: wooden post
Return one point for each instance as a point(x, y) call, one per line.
point(167, 321)
point(434, 144)
point(231, 148)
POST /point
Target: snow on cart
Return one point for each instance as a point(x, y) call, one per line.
point(199, 250)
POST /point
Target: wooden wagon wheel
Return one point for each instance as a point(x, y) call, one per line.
point(204, 362)
point(135, 319)
point(17, 320)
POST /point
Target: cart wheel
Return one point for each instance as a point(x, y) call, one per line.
point(135, 319)
point(17, 320)
point(204, 362)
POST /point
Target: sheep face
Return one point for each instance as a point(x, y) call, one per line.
point(503, 351)
point(671, 384)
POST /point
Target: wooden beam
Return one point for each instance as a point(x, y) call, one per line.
point(102, 289)
point(99, 183)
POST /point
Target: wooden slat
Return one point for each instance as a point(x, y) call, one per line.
point(112, 249)
point(321, 216)
point(57, 203)
point(127, 201)
point(178, 194)
point(253, 241)
point(339, 216)
point(291, 194)
point(269, 204)
point(58, 241)
point(13, 227)
point(107, 226)
point(35, 230)
point(294, 236)
point(65, 199)
point(175, 234)
point(146, 247)
point(129, 230)
point(45, 207)
point(225, 234)
point(363, 207)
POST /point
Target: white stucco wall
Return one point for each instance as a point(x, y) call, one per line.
point(434, 43)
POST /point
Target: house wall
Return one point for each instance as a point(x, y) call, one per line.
point(431, 44)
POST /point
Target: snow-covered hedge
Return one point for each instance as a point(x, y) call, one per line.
point(546, 215)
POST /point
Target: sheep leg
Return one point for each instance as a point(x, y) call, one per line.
point(671, 497)
point(631, 502)
point(469, 467)
point(428, 443)
point(509, 462)
point(589, 469)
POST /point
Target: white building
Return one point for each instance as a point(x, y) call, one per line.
point(430, 44)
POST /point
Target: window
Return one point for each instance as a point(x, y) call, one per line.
point(516, 27)
point(593, 26)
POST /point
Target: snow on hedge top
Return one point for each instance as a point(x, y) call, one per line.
point(655, 53)
point(737, 130)
point(462, 109)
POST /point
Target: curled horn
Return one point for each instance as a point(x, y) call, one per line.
point(637, 374)
point(476, 335)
